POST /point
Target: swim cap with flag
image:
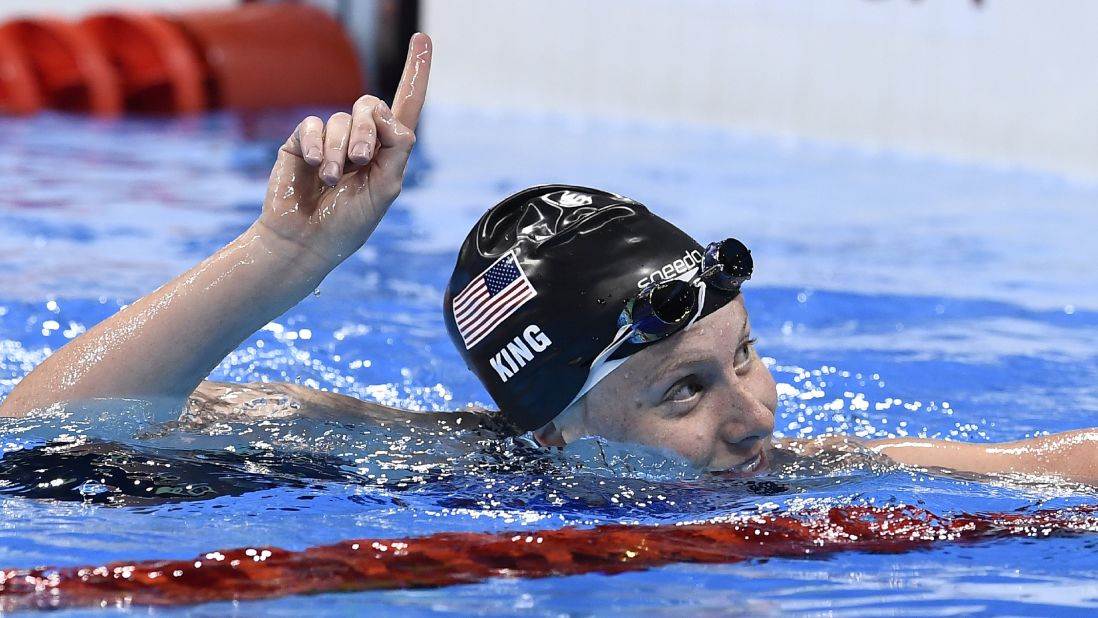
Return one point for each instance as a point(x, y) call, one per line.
point(540, 283)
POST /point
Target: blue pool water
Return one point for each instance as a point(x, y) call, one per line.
point(894, 295)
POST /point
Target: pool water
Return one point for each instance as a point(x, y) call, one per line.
point(894, 295)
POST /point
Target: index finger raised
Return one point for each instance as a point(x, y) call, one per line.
point(413, 82)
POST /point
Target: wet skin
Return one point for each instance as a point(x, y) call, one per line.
point(703, 393)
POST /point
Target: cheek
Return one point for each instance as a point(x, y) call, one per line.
point(763, 386)
point(693, 443)
point(691, 437)
point(613, 421)
point(632, 420)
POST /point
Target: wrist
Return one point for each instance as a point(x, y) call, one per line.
point(300, 264)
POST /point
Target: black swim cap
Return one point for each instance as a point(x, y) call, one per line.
point(540, 283)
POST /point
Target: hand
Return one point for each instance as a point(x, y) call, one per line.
point(332, 183)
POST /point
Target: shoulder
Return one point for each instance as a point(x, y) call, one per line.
point(226, 401)
point(229, 401)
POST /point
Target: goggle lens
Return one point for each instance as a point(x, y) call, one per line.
point(665, 307)
point(727, 264)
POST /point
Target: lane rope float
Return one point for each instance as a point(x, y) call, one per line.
point(461, 558)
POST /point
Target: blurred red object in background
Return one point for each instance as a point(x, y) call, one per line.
point(274, 55)
point(250, 57)
point(158, 71)
point(72, 72)
point(19, 92)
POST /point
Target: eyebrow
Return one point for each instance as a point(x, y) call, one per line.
point(673, 366)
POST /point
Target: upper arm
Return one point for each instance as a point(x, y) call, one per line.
point(227, 401)
point(257, 400)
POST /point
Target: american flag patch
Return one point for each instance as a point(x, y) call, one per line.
point(491, 298)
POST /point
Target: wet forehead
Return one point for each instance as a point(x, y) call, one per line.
point(719, 330)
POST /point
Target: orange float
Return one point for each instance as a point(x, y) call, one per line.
point(71, 70)
point(273, 55)
point(158, 71)
point(251, 57)
point(19, 92)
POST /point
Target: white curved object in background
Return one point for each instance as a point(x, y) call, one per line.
point(1002, 81)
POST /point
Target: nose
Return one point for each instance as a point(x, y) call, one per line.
point(745, 421)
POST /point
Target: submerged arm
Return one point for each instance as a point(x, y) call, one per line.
point(165, 343)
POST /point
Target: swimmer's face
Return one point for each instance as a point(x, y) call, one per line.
point(704, 393)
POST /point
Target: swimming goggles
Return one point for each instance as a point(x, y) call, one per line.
point(663, 308)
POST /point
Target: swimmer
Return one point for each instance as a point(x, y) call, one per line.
point(582, 313)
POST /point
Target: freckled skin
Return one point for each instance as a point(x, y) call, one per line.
point(723, 413)
point(726, 417)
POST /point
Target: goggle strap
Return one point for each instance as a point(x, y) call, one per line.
point(600, 367)
point(701, 304)
point(620, 338)
point(597, 374)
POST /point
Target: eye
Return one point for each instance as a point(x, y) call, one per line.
point(743, 353)
point(683, 390)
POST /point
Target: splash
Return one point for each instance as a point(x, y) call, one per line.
point(462, 558)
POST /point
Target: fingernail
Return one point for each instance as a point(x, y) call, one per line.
point(358, 151)
point(331, 171)
point(384, 111)
point(312, 154)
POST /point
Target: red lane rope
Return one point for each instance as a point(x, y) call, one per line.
point(460, 558)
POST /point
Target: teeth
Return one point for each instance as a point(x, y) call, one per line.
point(748, 465)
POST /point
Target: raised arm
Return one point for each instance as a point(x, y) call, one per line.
point(331, 185)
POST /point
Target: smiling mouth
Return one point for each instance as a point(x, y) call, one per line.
point(747, 468)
